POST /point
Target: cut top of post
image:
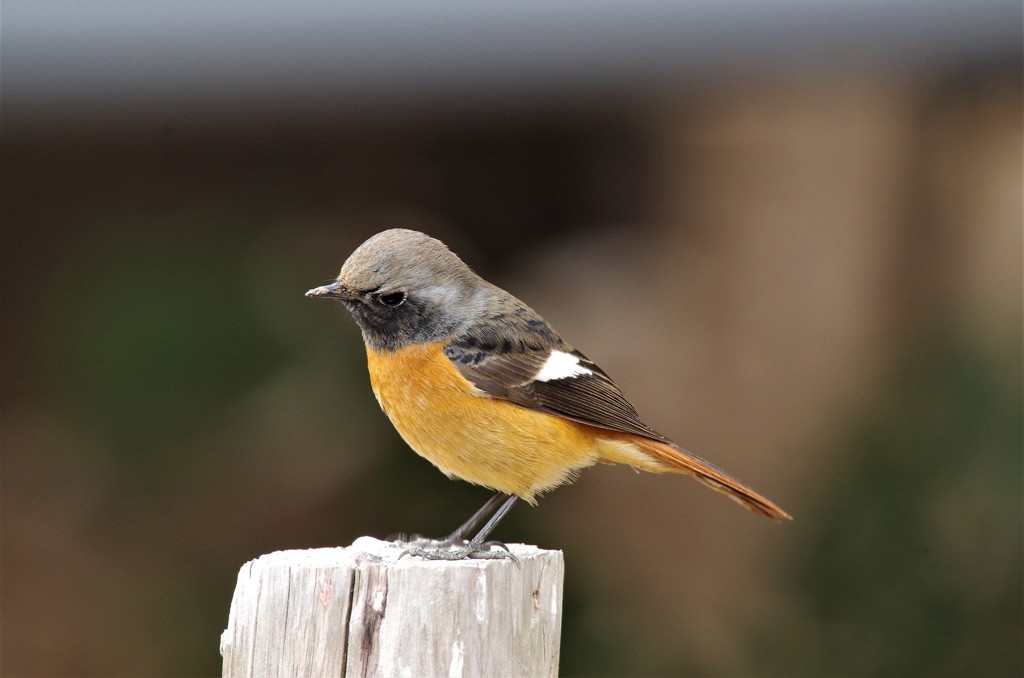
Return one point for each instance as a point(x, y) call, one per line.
point(363, 610)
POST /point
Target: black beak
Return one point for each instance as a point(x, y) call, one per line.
point(333, 291)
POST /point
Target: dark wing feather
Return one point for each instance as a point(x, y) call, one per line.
point(507, 370)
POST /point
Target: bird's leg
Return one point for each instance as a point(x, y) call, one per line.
point(477, 546)
point(460, 535)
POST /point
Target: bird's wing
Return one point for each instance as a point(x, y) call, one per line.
point(540, 371)
point(549, 376)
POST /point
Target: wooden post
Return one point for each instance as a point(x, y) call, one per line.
point(360, 611)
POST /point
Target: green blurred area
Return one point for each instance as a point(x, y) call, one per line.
point(914, 567)
point(159, 329)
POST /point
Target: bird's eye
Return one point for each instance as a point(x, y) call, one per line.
point(392, 298)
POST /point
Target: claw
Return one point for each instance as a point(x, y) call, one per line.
point(499, 544)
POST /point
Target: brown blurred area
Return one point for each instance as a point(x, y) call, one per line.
point(810, 277)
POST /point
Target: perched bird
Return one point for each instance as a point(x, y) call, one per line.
point(479, 384)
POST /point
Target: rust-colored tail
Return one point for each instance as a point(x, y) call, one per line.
point(710, 475)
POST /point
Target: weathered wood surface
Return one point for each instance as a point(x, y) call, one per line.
point(360, 611)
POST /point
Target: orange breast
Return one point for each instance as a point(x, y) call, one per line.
point(469, 435)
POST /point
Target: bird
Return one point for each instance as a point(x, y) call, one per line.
point(479, 384)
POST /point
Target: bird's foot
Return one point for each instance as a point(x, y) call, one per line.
point(470, 551)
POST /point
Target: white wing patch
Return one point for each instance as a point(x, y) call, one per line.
point(561, 365)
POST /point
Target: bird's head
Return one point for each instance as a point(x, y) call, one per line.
point(404, 287)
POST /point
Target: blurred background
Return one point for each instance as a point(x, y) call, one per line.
point(790, 231)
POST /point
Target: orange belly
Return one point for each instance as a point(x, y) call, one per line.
point(471, 436)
